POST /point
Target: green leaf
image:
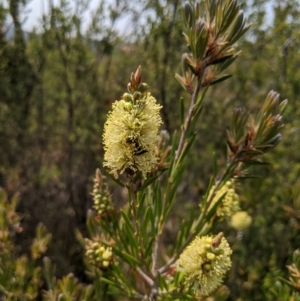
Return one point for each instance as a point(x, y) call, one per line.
point(178, 278)
point(151, 180)
point(187, 148)
point(141, 197)
point(122, 242)
point(91, 225)
point(213, 210)
point(132, 239)
point(239, 35)
point(247, 177)
point(195, 118)
point(49, 272)
point(181, 81)
point(14, 201)
point(227, 62)
point(129, 232)
point(254, 162)
point(118, 274)
point(112, 283)
point(127, 257)
point(157, 202)
point(116, 180)
point(174, 145)
point(162, 282)
point(220, 79)
point(127, 220)
point(188, 14)
point(237, 26)
point(221, 60)
point(145, 221)
point(215, 166)
point(200, 99)
point(181, 235)
point(149, 247)
point(152, 220)
point(181, 112)
point(201, 42)
point(138, 176)
point(211, 7)
point(230, 14)
point(176, 181)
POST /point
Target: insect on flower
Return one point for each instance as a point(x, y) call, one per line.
point(138, 148)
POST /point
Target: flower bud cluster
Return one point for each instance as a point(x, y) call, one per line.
point(98, 254)
point(102, 199)
point(230, 203)
point(204, 263)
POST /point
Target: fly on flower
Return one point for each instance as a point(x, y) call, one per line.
point(138, 149)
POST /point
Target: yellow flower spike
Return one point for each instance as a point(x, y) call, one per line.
point(204, 272)
point(230, 203)
point(131, 134)
point(241, 220)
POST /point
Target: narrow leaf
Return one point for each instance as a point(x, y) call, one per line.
point(187, 147)
point(254, 162)
point(151, 180)
point(215, 167)
point(213, 210)
point(149, 247)
point(127, 220)
point(181, 112)
point(127, 257)
point(107, 281)
point(116, 180)
point(220, 79)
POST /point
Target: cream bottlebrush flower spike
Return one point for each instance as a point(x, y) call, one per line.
point(131, 130)
point(241, 220)
point(230, 203)
point(204, 263)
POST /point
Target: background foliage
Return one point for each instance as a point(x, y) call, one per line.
point(57, 84)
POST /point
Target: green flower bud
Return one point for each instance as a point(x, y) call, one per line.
point(137, 95)
point(97, 252)
point(127, 106)
point(143, 87)
point(95, 245)
point(210, 256)
point(206, 267)
point(105, 263)
point(89, 252)
point(107, 254)
point(127, 97)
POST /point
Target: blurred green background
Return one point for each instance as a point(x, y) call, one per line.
point(58, 81)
